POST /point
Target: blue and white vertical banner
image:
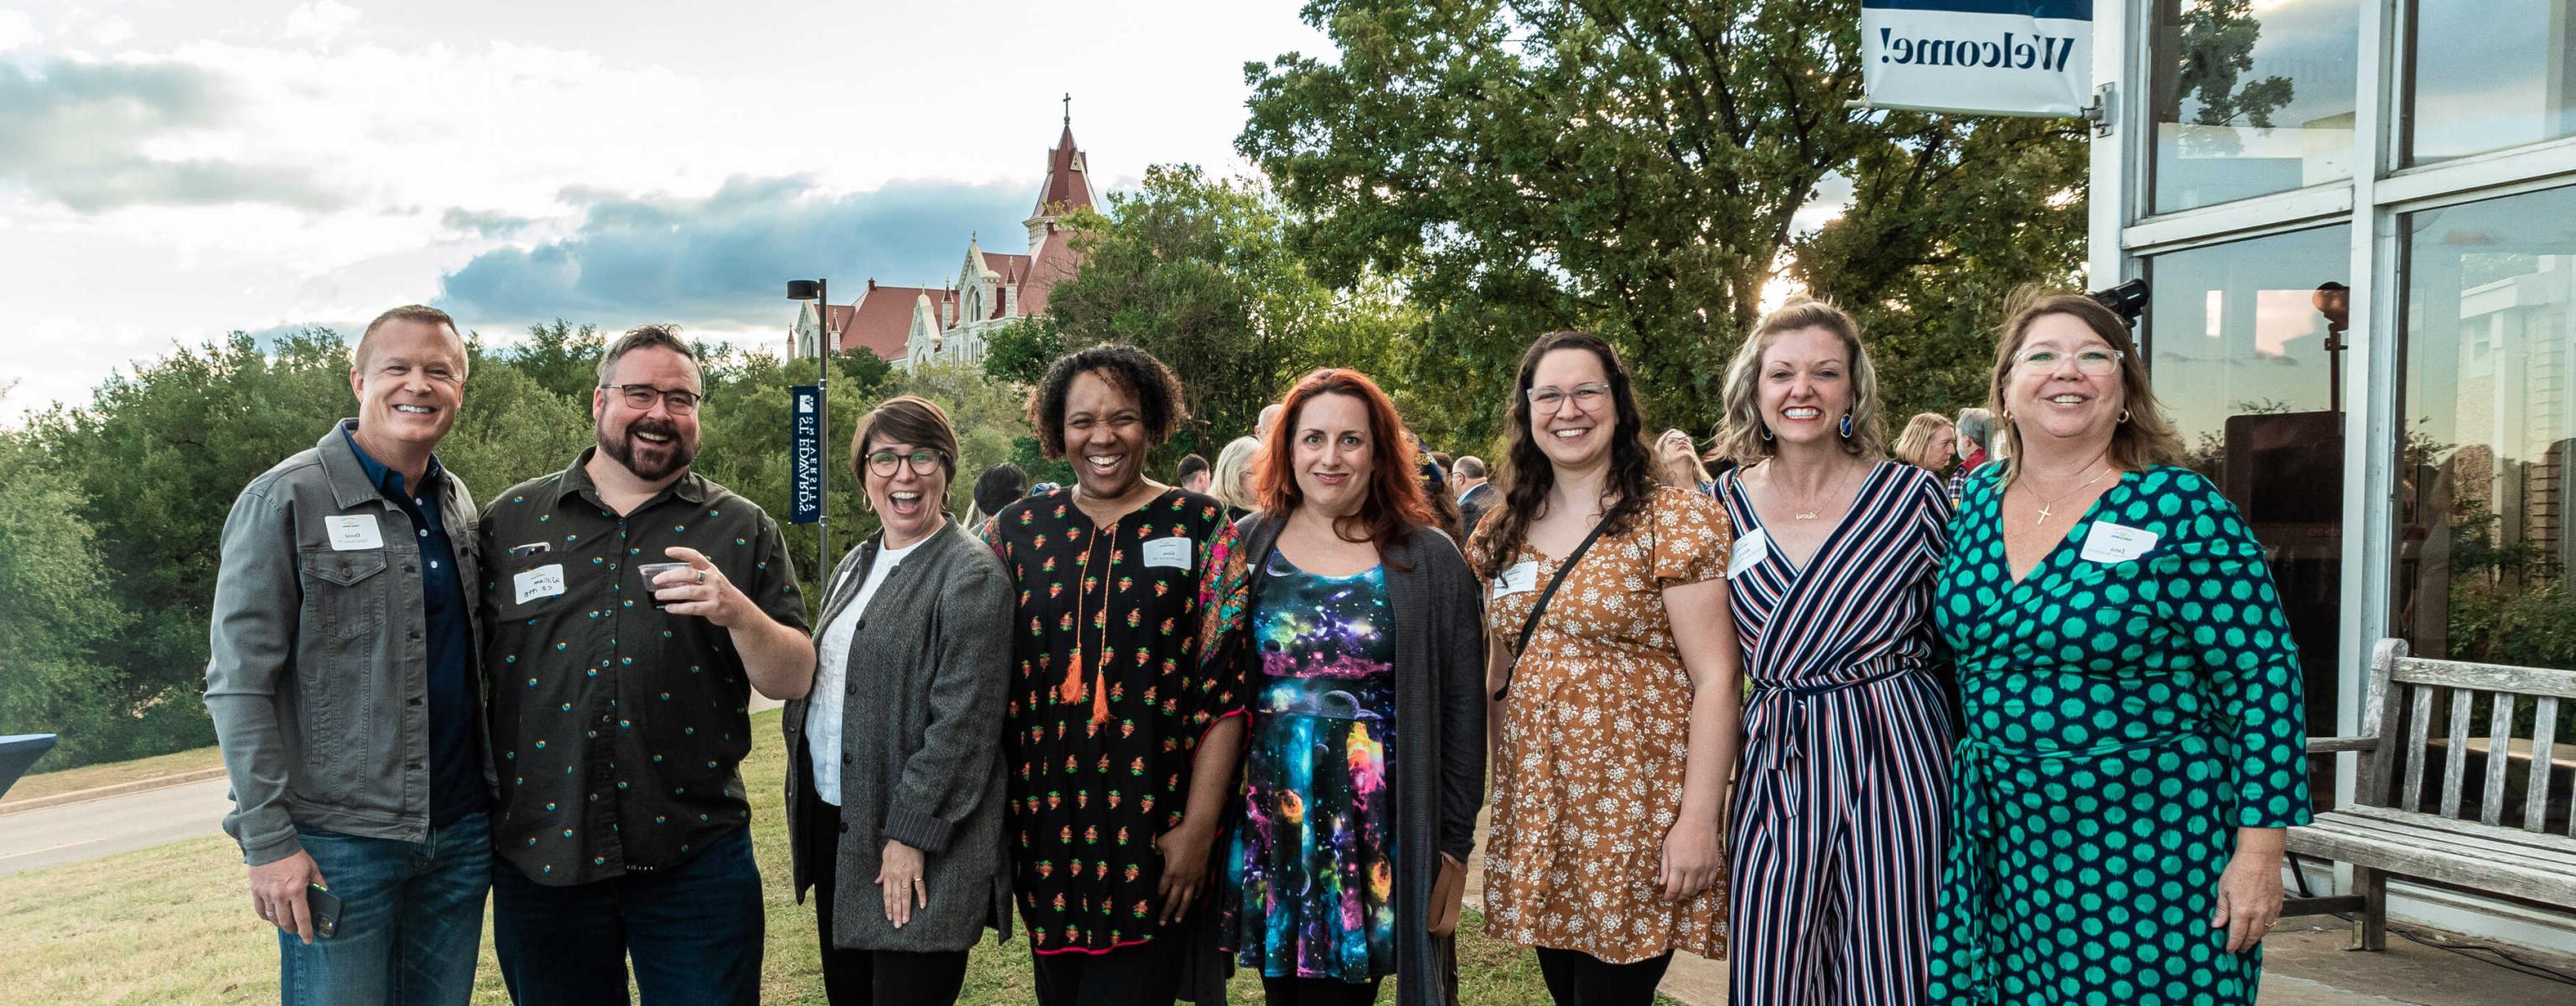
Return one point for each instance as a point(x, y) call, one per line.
point(1996, 57)
point(805, 454)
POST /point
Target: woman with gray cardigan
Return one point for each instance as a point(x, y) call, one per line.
point(895, 786)
point(1357, 628)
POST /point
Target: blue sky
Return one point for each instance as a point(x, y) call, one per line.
point(175, 170)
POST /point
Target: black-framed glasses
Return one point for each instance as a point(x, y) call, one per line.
point(1547, 397)
point(642, 396)
point(923, 460)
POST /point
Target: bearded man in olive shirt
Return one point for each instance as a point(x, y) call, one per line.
point(622, 828)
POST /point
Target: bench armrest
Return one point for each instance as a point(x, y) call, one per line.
point(2331, 745)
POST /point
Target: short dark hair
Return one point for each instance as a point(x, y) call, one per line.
point(1129, 369)
point(905, 419)
point(421, 314)
point(1000, 486)
point(643, 337)
point(1191, 464)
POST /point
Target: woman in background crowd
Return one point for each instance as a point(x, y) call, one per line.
point(1677, 464)
point(1231, 483)
point(1617, 695)
point(1928, 443)
point(1841, 807)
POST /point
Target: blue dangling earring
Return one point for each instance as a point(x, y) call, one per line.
point(1766, 431)
point(1846, 426)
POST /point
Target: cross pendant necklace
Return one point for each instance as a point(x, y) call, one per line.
point(2049, 507)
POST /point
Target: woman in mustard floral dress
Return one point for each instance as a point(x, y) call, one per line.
point(1617, 725)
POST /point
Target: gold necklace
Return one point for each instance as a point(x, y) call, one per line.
point(1819, 510)
point(2046, 508)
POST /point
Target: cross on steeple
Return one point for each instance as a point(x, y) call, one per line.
point(1068, 109)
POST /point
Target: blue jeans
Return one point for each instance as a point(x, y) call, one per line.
point(694, 932)
point(411, 919)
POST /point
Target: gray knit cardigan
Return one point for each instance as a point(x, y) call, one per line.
point(921, 730)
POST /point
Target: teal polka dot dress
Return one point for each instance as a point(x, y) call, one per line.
point(2128, 705)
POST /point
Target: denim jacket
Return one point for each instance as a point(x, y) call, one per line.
point(319, 678)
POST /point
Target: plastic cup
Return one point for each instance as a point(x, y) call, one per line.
point(650, 571)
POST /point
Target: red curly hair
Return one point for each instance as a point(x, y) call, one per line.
point(1394, 507)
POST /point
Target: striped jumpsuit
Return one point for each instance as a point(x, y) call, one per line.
point(1841, 806)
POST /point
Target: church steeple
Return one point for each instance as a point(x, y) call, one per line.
point(1067, 187)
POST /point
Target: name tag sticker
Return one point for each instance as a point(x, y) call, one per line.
point(543, 581)
point(354, 531)
point(2108, 542)
point(1518, 578)
point(1170, 553)
point(1749, 552)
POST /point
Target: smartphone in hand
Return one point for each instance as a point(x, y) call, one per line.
point(325, 907)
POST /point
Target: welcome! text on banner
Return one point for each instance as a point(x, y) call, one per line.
point(1999, 57)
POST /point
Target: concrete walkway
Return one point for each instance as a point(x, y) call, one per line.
point(2304, 964)
point(75, 832)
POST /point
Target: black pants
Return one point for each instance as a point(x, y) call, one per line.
point(1148, 974)
point(1575, 978)
point(867, 977)
point(1316, 992)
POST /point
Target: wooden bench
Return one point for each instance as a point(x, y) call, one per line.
point(2388, 832)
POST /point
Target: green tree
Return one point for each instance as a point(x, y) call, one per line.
point(1199, 272)
point(57, 618)
point(1633, 166)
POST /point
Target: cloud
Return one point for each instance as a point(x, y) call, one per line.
point(320, 22)
point(483, 223)
point(78, 134)
point(723, 260)
point(17, 30)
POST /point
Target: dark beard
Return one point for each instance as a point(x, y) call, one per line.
point(681, 452)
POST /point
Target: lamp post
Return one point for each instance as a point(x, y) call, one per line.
point(820, 292)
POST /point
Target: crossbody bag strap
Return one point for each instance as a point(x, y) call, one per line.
point(1530, 625)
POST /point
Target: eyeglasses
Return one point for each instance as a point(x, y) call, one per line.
point(642, 396)
point(924, 461)
point(2096, 362)
point(1549, 397)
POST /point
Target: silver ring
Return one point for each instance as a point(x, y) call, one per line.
point(702, 576)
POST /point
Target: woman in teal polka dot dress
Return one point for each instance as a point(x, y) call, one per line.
point(2133, 744)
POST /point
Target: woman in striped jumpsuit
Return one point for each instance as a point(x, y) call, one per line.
point(1840, 808)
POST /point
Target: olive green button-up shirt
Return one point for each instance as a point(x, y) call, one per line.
point(618, 728)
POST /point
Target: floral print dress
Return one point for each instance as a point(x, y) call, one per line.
point(1588, 777)
point(1108, 700)
point(1311, 874)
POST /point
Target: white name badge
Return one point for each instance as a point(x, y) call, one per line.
point(1749, 551)
point(1170, 553)
point(2108, 542)
point(351, 532)
point(543, 581)
point(1518, 578)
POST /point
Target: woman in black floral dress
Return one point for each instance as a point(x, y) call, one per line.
point(1120, 745)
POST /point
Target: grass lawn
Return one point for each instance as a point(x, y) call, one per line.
point(111, 773)
point(173, 925)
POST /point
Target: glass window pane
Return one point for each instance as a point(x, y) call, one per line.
point(2245, 343)
point(2488, 74)
point(2251, 97)
point(2484, 540)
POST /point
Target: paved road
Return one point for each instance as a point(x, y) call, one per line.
point(81, 831)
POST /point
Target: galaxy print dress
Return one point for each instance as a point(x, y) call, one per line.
point(1311, 871)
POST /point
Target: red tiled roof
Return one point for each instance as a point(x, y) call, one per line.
point(882, 319)
point(1056, 262)
point(1011, 266)
point(837, 318)
point(1063, 184)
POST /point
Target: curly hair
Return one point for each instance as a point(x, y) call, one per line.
point(1527, 476)
point(1130, 370)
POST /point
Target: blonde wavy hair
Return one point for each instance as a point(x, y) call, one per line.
point(1740, 431)
point(1914, 446)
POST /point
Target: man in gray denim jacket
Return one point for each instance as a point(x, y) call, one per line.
point(345, 692)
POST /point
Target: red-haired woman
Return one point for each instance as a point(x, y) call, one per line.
point(1359, 630)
